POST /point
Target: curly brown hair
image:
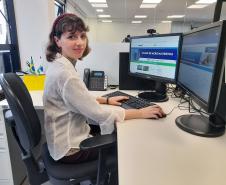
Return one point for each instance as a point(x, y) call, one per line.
point(64, 23)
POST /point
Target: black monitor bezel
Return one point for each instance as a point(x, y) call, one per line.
point(209, 106)
point(153, 77)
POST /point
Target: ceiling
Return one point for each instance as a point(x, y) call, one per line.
point(124, 11)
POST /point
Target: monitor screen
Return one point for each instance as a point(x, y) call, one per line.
point(200, 74)
point(198, 62)
point(155, 57)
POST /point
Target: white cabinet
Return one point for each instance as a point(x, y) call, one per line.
point(6, 177)
point(4, 161)
point(12, 169)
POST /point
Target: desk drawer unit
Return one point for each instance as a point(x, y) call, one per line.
point(5, 163)
point(5, 168)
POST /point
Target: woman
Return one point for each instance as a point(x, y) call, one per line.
point(68, 103)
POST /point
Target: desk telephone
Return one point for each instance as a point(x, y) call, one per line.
point(95, 80)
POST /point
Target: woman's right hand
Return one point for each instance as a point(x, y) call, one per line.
point(154, 112)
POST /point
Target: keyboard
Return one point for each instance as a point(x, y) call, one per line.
point(132, 103)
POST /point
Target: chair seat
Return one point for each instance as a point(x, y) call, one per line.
point(73, 171)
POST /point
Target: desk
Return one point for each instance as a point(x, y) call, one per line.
point(36, 98)
point(157, 152)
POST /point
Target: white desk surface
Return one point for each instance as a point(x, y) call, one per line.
point(157, 152)
point(36, 98)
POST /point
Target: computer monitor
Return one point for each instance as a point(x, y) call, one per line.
point(200, 75)
point(155, 57)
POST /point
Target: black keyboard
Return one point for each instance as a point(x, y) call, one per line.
point(132, 103)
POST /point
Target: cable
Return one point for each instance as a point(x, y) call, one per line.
point(199, 110)
point(172, 110)
point(179, 106)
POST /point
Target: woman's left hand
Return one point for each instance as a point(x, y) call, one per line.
point(117, 100)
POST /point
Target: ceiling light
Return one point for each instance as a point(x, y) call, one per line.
point(106, 20)
point(104, 16)
point(102, 5)
point(136, 22)
point(197, 6)
point(205, 1)
point(151, 1)
point(148, 5)
point(99, 10)
point(140, 16)
point(166, 21)
point(175, 16)
point(97, 1)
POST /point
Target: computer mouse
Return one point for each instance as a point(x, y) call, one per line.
point(163, 116)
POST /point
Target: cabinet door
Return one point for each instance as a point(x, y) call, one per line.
point(5, 164)
point(2, 135)
point(6, 182)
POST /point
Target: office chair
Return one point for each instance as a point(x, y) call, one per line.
point(26, 127)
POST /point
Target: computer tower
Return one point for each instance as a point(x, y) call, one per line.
point(128, 82)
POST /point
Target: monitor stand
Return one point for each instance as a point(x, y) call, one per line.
point(157, 95)
point(201, 126)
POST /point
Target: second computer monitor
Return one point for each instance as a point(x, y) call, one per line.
point(201, 64)
point(200, 76)
point(155, 58)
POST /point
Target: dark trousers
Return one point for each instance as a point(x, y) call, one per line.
point(89, 155)
point(84, 156)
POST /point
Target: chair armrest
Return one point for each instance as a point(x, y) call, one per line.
point(98, 142)
point(9, 118)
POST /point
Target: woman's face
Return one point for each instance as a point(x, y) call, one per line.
point(72, 44)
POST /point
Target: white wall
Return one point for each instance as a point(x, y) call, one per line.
point(180, 27)
point(116, 31)
point(113, 32)
point(163, 28)
point(34, 19)
point(104, 57)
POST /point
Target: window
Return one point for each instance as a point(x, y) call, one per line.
point(59, 7)
point(3, 24)
point(9, 52)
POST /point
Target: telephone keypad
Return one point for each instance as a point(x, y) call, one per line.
point(96, 84)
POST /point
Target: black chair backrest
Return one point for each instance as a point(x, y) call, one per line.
point(27, 123)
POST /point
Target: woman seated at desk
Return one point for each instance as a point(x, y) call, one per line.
point(68, 103)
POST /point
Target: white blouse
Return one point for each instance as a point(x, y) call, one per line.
point(67, 105)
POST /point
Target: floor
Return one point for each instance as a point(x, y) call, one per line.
point(27, 183)
point(48, 183)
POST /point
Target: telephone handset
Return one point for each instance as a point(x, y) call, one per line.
point(86, 76)
point(95, 80)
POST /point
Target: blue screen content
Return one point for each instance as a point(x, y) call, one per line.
point(155, 56)
point(198, 59)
